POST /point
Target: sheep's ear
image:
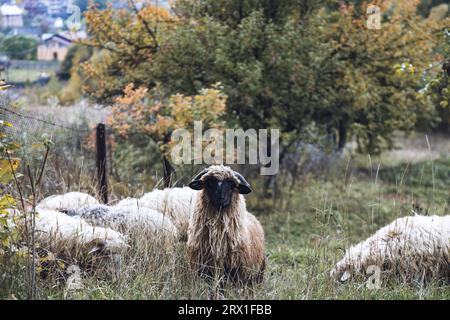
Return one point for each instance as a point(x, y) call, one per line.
point(95, 249)
point(70, 212)
point(197, 183)
point(345, 276)
point(244, 187)
point(97, 246)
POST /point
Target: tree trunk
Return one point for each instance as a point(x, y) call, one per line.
point(168, 172)
point(270, 183)
point(342, 131)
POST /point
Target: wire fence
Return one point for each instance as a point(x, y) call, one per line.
point(72, 155)
point(132, 164)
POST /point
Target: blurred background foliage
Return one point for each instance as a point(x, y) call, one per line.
point(309, 68)
point(364, 117)
point(283, 64)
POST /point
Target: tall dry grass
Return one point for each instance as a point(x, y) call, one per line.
point(308, 223)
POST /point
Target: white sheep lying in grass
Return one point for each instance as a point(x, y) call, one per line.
point(71, 239)
point(56, 231)
point(176, 203)
point(416, 246)
point(70, 200)
point(225, 241)
point(127, 219)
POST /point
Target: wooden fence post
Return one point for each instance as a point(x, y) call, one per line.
point(168, 172)
point(101, 162)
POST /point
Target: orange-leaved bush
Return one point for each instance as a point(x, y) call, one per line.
point(148, 112)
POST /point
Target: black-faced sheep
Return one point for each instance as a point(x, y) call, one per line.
point(416, 246)
point(225, 241)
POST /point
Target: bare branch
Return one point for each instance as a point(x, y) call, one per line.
point(146, 25)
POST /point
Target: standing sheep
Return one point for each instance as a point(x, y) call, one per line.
point(410, 246)
point(224, 239)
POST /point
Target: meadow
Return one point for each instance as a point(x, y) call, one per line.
point(307, 225)
point(362, 110)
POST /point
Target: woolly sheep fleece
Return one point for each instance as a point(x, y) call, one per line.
point(228, 244)
point(128, 219)
point(70, 200)
point(56, 231)
point(411, 246)
point(176, 203)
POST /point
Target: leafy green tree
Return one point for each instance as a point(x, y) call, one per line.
point(363, 88)
point(128, 43)
point(260, 52)
point(255, 54)
point(19, 47)
point(75, 55)
point(284, 64)
point(437, 88)
point(84, 4)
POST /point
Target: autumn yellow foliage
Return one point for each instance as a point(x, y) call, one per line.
point(142, 111)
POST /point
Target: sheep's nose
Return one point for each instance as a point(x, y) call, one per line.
point(219, 191)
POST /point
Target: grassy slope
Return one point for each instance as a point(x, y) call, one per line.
point(304, 236)
point(305, 240)
point(22, 75)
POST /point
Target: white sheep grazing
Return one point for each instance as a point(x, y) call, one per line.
point(57, 231)
point(410, 246)
point(127, 219)
point(225, 241)
point(70, 200)
point(176, 203)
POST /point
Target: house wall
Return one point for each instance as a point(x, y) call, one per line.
point(56, 6)
point(51, 50)
point(11, 21)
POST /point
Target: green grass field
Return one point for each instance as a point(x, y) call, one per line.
point(24, 76)
point(306, 228)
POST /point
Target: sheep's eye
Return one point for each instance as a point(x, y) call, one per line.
point(230, 184)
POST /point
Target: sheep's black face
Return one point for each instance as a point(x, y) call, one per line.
point(220, 192)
